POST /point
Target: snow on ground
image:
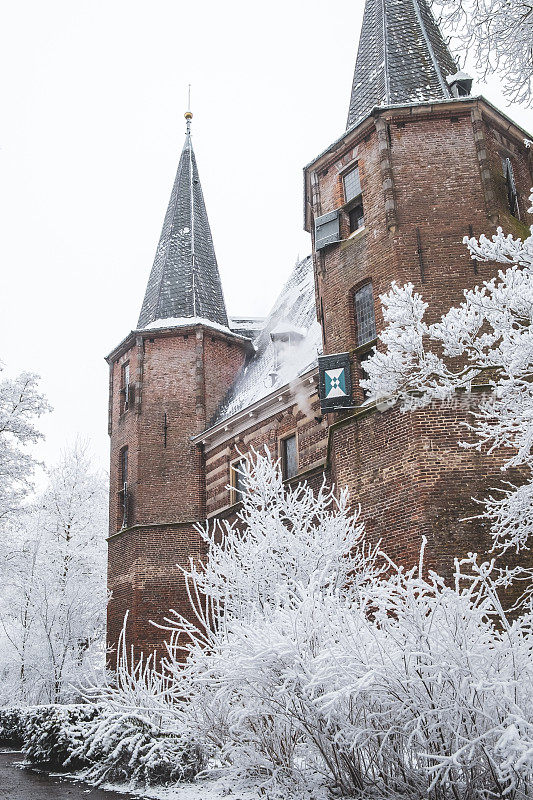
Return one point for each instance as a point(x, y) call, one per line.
point(202, 790)
point(220, 786)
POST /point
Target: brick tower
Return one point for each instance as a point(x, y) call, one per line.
point(167, 378)
point(421, 165)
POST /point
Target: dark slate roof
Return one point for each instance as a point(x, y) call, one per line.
point(276, 364)
point(184, 281)
point(402, 57)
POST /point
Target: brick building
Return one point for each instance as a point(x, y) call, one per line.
point(422, 163)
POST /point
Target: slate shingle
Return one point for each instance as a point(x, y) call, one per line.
point(402, 57)
point(184, 281)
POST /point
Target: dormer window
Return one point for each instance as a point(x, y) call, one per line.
point(286, 333)
point(460, 84)
point(284, 336)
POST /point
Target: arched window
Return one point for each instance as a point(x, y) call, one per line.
point(365, 319)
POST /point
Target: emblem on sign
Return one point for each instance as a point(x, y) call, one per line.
point(335, 381)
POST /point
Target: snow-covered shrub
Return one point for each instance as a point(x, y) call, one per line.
point(53, 733)
point(316, 658)
point(314, 661)
point(124, 746)
point(12, 725)
point(140, 736)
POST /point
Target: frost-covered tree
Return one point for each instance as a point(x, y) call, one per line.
point(21, 404)
point(487, 339)
point(499, 36)
point(315, 662)
point(52, 606)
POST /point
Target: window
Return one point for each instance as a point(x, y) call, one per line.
point(124, 465)
point(364, 315)
point(238, 480)
point(289, 456)
point(125, 392)
point(123, 494)
point(352, 185)
point(512, 194)
point(356, 216)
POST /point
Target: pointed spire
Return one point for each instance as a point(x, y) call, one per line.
point(184, 281)
point(402, 57)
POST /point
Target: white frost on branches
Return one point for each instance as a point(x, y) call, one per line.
point(488, 340)
point(20, 405)
point(499, 36)
point(316, 663)
point(53, 599)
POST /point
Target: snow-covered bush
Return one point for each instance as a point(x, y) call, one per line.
point(315, 658)
point(124, 746)
point(314, 662)
point(140, 735)
point(52, 733)
point(12, 725)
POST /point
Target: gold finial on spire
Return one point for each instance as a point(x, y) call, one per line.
point(188, 113)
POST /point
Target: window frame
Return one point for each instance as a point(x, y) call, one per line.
point(354, 166)
point(234, 489)
point(125, 390)
point(124, 464)
point(123, 489)
point(510, 185)
point(357, 201)
point(283, 454)
point(361, 347)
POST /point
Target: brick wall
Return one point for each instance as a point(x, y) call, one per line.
point(309, 426)
point(179, 377)
point(429, 177)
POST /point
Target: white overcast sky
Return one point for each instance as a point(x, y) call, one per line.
point(92, 101)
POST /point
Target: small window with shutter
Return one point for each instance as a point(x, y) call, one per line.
point(512, 194)
point(327, 230)
point(365, 319)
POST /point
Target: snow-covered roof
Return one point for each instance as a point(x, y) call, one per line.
point(250, 327)
point(276, 364)
point(187, 322)
point(458, 76)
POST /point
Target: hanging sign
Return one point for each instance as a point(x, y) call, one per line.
point(335, 381)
